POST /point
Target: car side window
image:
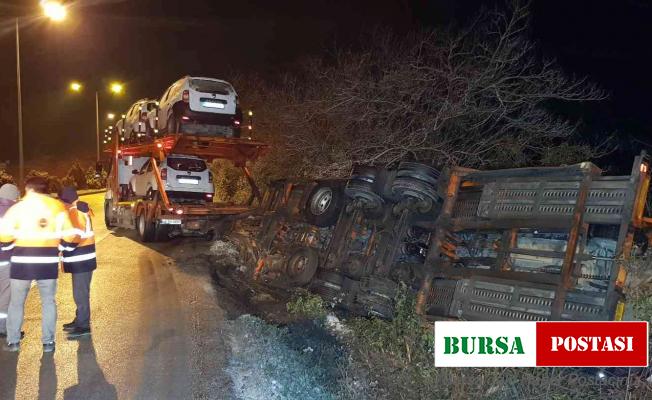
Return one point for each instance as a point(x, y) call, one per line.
point(145, 167)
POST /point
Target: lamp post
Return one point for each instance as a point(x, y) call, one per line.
point(116, 88)
point(54, 11)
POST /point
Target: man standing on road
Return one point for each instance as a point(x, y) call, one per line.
point(9, 195)
point(80, 262)
point(38, 227)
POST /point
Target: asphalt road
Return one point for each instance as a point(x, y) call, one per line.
point(157, 331)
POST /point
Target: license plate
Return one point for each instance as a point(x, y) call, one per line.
point(190, 181)
point(171, 222)
point(210, 104)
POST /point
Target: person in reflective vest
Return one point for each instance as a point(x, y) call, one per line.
point(9, 195)
point(80, 262)
point(39, 228)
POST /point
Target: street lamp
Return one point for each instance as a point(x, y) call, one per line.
point(115, 88)
point(75, 86)
point(54, 11)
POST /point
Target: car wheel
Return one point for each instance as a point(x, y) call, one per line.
point(151, 194)
point(108, 213)
point(361, 186)
point(172, 126)
point(302, 265)
point(145, 228)
point(324, 205)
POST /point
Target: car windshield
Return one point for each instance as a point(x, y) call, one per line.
point(208, 86)
point(186, 164)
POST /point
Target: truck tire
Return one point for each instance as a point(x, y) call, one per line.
point(324, 205)
point(418, 181)
point(361, 186)
point(108, 213)
point(161, 233)
point(145, 228)
point(302, 265)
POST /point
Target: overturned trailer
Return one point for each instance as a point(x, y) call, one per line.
point(515, 244)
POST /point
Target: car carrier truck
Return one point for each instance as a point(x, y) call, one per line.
point(158, 216)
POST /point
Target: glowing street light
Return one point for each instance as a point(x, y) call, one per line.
point(116, 88)
point(54, 10)
point(76, 86)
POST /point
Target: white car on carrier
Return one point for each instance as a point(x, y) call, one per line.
point(187, 179)
point(135, 123)
point(202, 106)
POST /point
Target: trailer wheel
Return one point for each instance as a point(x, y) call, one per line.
point(324, 205)
point(418, 181)
point(108, 211)
point(145, 228)
point(302, 265)
point(361, 186)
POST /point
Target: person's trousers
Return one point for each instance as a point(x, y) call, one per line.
point(19, 290)
point(5, 295)
point(81, 288)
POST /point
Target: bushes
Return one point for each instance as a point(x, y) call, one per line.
point(404, 338)
point(230, 183)
point(94, 180)
point(75, 177)
point(5, 177)
point(54, 183)
point(308, 305)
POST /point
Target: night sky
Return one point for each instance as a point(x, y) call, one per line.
point(149, 44)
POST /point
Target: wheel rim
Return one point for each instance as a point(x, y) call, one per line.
point(321, 201)
point(141, 225)
point(297, 266)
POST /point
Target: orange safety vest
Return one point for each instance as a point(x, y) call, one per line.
point(36, 230)
point(82, 258)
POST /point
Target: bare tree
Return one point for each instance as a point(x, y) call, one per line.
point(480, 98)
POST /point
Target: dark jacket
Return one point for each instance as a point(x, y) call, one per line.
point(82, 257)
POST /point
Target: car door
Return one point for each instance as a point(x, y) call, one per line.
point(164, 106)
point(128, 126)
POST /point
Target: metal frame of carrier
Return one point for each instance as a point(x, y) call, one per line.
point(564, 199)
point(160, 211)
